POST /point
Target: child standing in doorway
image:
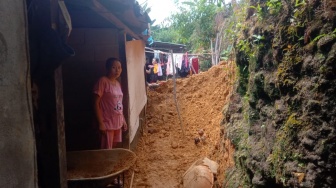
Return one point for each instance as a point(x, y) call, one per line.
point(108, 105)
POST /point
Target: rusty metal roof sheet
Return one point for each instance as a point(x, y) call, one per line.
point(123, 14)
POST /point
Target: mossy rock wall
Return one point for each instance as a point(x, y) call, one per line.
point(282, 119)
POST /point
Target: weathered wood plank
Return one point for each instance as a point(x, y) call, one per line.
point(54, 12)
point(124, 85)
point(60, 127)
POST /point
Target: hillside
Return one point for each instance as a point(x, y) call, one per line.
point(281, 119)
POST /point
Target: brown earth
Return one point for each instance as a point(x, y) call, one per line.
point(165, 152)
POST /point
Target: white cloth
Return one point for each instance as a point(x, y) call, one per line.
point(178, 57)
point(159, 69)
point(169, 69)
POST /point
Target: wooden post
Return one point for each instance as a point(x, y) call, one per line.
point(124, 86)
point(216, 49)
point(220, 48)
point(175, 97)
point(54, 12)
point(212, 54)
point(60, 127)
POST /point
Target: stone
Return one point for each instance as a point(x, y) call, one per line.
point(258, 180)
point(313, 106)
point(171, 113)
point(161, 136)
point(307, 64)
point(166, 128)
point(324, 43)
point(174, 145)
point(152, 130)
point(310, 47)
point(299, 176)
point(332, 56)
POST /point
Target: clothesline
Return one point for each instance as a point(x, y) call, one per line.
point(199, 54)
point(181, 53)
point(155, 50)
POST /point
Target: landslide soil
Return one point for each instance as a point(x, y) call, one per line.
point(165, 152)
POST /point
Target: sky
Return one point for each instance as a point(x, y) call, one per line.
point(161, 9)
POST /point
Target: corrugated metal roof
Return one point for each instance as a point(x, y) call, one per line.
point(165, 46)
point(123, 14)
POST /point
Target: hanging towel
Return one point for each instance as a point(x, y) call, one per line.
point(169, 69)
point(178, 60)
point(159, 69)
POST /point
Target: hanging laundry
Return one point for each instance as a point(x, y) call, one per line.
point(178, 60)
point(159, 69)
point(184, 71)
point(185, 57)
point(157, 55)
point(195, 64)
point(191, 65)
point(169, 69)
point(155, 68)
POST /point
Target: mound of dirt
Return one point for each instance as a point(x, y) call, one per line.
point(165, 152)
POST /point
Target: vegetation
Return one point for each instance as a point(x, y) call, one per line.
point(206, 27)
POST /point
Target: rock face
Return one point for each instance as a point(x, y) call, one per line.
point(282, 119)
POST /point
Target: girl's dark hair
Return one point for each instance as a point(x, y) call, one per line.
point(109, 62)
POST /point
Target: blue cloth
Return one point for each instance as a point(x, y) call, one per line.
point(150, 40)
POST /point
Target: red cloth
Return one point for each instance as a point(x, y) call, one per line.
point(195, 64)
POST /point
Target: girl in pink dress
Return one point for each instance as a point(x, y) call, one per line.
point(108, 105)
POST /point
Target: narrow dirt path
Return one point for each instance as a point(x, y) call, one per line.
point(164, 153)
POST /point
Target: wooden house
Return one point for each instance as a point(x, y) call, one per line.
point(58, 50)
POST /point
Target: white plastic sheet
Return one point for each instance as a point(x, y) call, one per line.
point(135, 57)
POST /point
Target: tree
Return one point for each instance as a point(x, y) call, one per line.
point(205, 26)
point(195, 23)
point(164, 34)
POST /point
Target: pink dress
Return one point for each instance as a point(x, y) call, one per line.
point(111, 107)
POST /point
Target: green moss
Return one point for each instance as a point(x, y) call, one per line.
point(288, 82)
point(288, 71)
point(292, 32)
point(323, 69)
point(283, 149)
point(292, 121)
point(243, 72)
point(285, 79)
point(243, 75)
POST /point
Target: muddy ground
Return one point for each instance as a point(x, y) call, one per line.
point(165, 151)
